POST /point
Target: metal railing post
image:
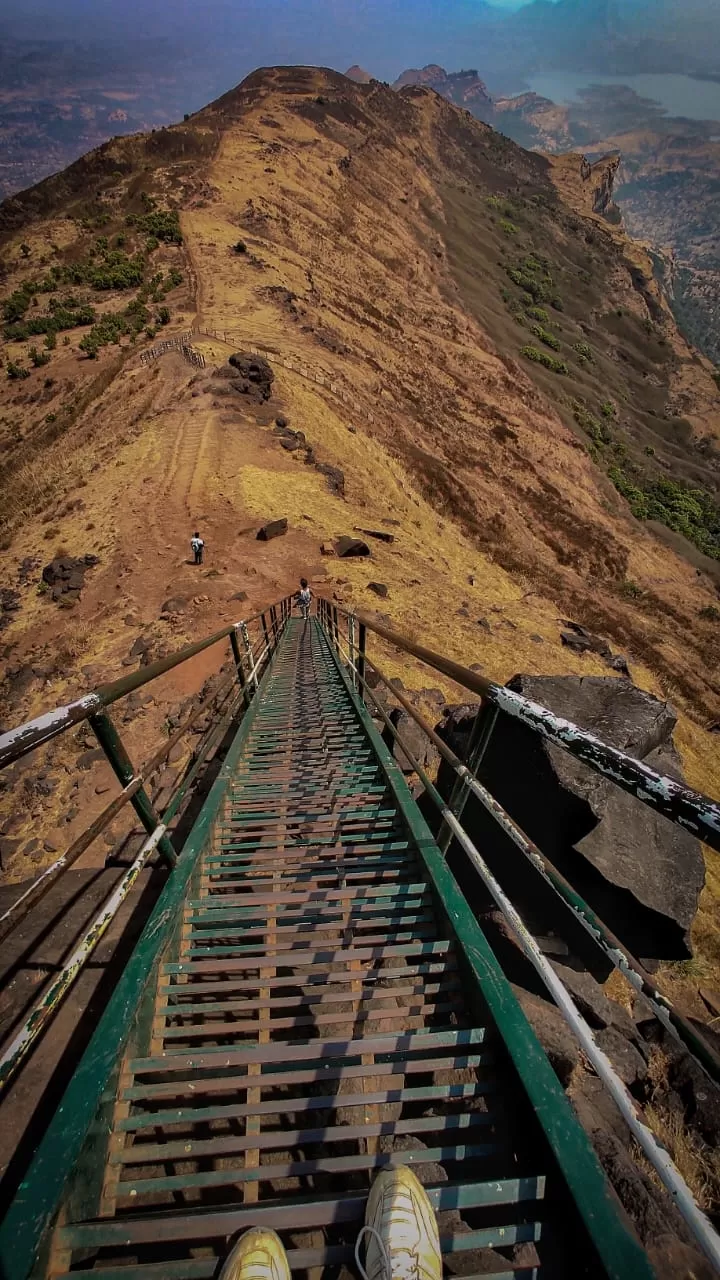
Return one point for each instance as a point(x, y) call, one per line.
point(122, 766)
point(362, 644)
point(274, 621)
point(335, 627)
point(266, 633)
point(237, 656)
point(351, 647)
point(248, 650)
point(480, 734)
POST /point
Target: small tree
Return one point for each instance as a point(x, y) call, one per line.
point(163, 315)
point(25, 250)
point(39, 358)
point(15, 371)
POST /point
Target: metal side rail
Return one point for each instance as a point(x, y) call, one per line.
point(311, 1001)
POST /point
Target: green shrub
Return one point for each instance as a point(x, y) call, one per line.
point(539, 314)
point(151, 244)
point(240, 247)
point(692, 512)
point(596, 430)
point(508, 227)
point(163, 315)
point(16, 372)
point(39, 358)
point(649, 451)
point(546, 337)
point(631, 590)
point(174, 278)
point(164, 224)
point(542, 357)
point(531, 275)
point(608, 409)
point(584, 351)
point(50, 340)
point(710, 613)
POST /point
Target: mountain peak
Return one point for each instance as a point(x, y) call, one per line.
point(358, 74)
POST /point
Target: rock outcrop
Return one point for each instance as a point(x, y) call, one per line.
point(641, 873)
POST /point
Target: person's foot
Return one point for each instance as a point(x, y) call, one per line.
point(257, 1255)
point(401, 1235)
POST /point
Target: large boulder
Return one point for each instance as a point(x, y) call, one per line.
point(347, 547)
point(274, 529)
point(642, 874)
point(65, 575)
point(254, 376)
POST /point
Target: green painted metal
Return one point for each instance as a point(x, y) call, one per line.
point(621, 1254)
point(123, 768)
point(30, 1214)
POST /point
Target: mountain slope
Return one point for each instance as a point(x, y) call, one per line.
point(384, 236)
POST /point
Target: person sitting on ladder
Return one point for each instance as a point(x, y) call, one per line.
point(197, 547)
point(304, 598)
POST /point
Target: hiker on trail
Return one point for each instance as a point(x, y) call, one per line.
point(304, 598)
point(197, 547)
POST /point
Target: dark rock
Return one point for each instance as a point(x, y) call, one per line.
point(592, 1002)
point(66, 575)
point(641, 874)
point(290, 443)
point(334, 476)
point(175, 604)
point(456, 726)
point(582, 641)
point(141, 645)
point(327, 549)
point(69, 600)
point(416, 741)
point(281, 421)
point(346, 547)
point(483, 622)
point(378, 534)
point(274, 529)
point(240, 595)
point(89, 758)
point(379, 589)
point(256, 376)
point(553, 1033)
point(537, 639)
point(463, 613)
point(626, 1059)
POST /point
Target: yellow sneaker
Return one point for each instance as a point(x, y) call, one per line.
point(257, 1255)
point(401, 1235)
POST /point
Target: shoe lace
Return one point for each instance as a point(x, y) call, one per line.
point(402, 1266)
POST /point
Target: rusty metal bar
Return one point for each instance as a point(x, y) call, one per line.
point(122, 766)
point(690, 809)
point(47, 1004)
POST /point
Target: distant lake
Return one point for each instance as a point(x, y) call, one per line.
point(679, 95)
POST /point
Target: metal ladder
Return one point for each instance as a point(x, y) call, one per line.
point(317, 1016)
